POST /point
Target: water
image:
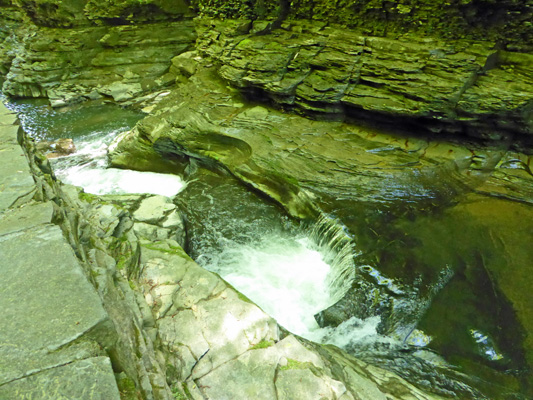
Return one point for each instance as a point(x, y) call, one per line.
point(284, 276)
point(289, 270)
point(88, 168)
point(292, 271)
point(285, 268)
point(93, 127)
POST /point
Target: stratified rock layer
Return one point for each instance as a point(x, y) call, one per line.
point(505, 21)
point(461, 87)
point(119, 62)
point(46, 335)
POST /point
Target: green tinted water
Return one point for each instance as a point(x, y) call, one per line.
point(43, 122)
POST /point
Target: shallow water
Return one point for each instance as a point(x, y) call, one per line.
point(93, 127)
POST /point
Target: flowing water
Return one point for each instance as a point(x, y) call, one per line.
point(291, 271)
point(92, 127)
point(385, 296)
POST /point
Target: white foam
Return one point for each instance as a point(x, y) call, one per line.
point(351, 333)
point(120, 181)
point(284, 276)
point(94, 176)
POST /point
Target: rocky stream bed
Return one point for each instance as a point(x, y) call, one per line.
point(393, 139)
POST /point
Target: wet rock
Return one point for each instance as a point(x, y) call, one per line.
point(340, 72)
point(57, 148)
point(204, 332)
point(306, 165)
point(119, 62)
point(330, 161)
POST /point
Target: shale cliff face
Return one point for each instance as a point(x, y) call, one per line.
point(71, 51)
point(507, 22)
point(446, 73)
point(434, 85)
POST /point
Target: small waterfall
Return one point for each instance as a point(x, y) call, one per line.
point(337, 249)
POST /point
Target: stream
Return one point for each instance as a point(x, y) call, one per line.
point(322, 280)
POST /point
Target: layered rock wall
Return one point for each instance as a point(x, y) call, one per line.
point(55, 50)
point(446, 73)
point(424, 84)
point(508, 22)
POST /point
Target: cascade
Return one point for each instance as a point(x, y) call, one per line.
point(337, 249)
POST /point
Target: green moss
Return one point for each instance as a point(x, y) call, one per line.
point(122, 263)
point(244, 42)
point(263, 344)
point(88, 197)
point(186, 390)
point(178, 395)
point(295, 364)
point(127, 389)
point(169, 249)
point(213, 155)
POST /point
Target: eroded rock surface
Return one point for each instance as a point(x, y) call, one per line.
point(119, 62)
point(294, 159)
point(43, 329)
point(441, 86)
point(342, 168)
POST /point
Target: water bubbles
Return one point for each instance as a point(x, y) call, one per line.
point(87, 168)
point(283, 275)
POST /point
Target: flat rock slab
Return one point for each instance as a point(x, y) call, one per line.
point(19, 219)
point(90, 379)
point(51, 314)
point(16, 182)
point(153, 209)
point(7, 117)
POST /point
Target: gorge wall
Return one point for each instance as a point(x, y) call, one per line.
point(367, 60)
